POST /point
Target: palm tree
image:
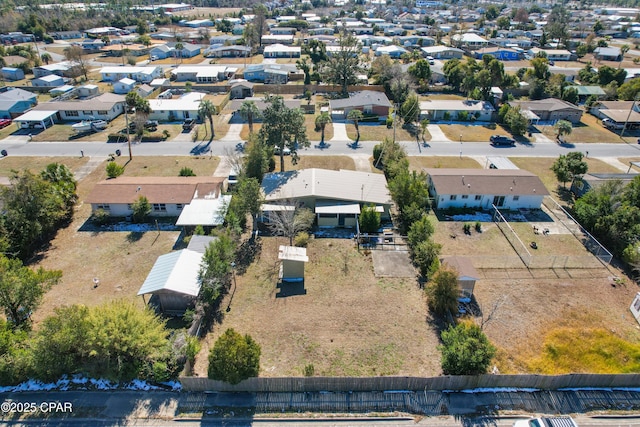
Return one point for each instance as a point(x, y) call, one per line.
point(46, 58)
point(321, 122)
point(249, 112)
point(178, 49)
point(208, 110)
point(623, 49)
point(563, 127)
point(356, 116)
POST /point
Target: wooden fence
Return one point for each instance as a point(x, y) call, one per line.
point(356, 384)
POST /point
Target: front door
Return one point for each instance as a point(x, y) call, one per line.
point(340, 220)
point(498, 201)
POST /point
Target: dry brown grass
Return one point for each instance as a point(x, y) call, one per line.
point(166, 165)
point(37, 164)
point(321, 162)
point(417, 163)
point(588, 130)
point(473, 133)
point(309, 122)
point(377, 132)
point(349, 325)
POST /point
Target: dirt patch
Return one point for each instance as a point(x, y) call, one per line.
point(417, 163)
point(392, 264)
point(346, 323)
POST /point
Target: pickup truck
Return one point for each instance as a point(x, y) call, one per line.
point(188, 124)
point(546, 422)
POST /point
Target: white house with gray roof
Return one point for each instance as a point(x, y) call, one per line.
point(368, 101)
point(107, 107)
point(456, 109)
point(139, 74)
point(336, 197)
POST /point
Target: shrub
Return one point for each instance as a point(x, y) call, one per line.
point(141, 209)
point(442, 292)
point(166, 134)
point(199, 230)
point(114, 170)
point(185, 171)
point(309, 370)
point(389, 122)
point(369, 220)
point(192, 349)
point(466, 350)
point(131, 61)
point(478, 227)
point(467, 228)
point(161, 372)
point(301, 239)
point(101, 217)
point(425, 256)
point(234, 358)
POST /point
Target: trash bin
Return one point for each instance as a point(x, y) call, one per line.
point(4, 153)
point(118, 153)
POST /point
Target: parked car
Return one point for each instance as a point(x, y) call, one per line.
point(4, 123)
point(188, 124)
point(610, 124)
point(286, 151)
point(547, 422)
point(500, 140)
point(153, 58)
point(148, 125)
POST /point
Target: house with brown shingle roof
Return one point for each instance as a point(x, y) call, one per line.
point(481, 188)
point(551, 109)
point(107, 107)
point(167, 195)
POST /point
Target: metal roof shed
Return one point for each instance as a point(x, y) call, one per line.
point(293, 259)
point(40, 119)
point(174, 279)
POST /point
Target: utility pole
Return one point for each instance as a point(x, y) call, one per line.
point(126, 121)
point(626, 122)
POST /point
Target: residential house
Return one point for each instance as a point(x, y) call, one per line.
point(139, 74)
point(47, 81)
point(167, 195)
point(393, 51)
point(457, 109)
point(88, 90)
point(184, 107)
point(276, 39)
point(15, 60)
point(270, 73)
point(16, 37)
point(197, 23)
point(552, 54)
point(66, 35)
point(371, 103)
point(416, 40)
point(96, 33)
point(359, 31)
point(394, 31)
point(130, 49)
point(15, 101)
point(327, 31)
point(618, 113)
point(282, 51)
point(469, 40)
point(227, 51)
point(482, 188)
point(12, 74)
point(92, 45)
point(550, 110)
point(62, 69)
point(500, 53)
point(282, 31)
point(241, 89)
point(586, 182)
point(467, 274)
point(203, 73)
point(608, 53)
point(188, 50)
point(443, 52)
point(336, 197)
point(207, 212)
point(107, 107)
point(260, 103)
point(124, 86)
point(160, 51)
point(144, 90)
point(225, 39)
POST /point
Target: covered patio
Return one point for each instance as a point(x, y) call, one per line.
point(36, 119)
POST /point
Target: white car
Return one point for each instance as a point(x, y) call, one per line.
point(153, 58)
point(546, 422)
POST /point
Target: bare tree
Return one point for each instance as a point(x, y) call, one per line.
point(491, 315)
point(291, 220)
point(76, 55)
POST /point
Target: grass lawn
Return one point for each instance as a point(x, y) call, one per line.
point(321, 162)
point(345, 323)
point(8, 131)
point(588, 130)
point(165, 165)
point(377, 132)
point(626, 161)
point(37, 164)
point(309, 122)
point(256, 59)
point(417, 163)
point(469, 133)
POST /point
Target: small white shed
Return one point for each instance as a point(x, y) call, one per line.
point(124, 86)
point(293, 259)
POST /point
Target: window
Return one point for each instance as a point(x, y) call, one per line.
point(179, 206)
point(159, 207)
point(478, 197)
point(328, 215)
point(130, 206)
point(516, 198)
point(71, 113)
point(453, 197)
point(87, 113)
point(103, 206)
point(464, 196)
point(102, 112)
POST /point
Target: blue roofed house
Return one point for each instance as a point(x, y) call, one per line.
point(160, 51)
point(269, 73)
point(501, 53)
point(14, 102)
point(188, 50)
point(12, 74)
point(608, 53)
point(393, 51)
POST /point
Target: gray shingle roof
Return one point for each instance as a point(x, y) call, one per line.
point(358, 99)
point(486, 181)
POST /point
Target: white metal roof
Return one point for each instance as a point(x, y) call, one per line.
point(49, 78)
point(204, 211)
point(127, 81)
point(266, 207)
point(292, 253)
point(127, 70)
point(338, 209)
point(35, 116)
point(175, 271)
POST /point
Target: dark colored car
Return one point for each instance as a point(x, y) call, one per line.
point(188, 124)
point(500, 140)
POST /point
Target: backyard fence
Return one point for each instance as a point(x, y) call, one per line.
point(454, 383)
point(511, 236)
point(589, 242)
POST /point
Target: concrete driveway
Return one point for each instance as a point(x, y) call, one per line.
point(436, 133)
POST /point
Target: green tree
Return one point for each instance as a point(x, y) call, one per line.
point(185, 171)
point(410, 109)
point(207, 110)
point(443, 292)
point(516, 121)
point(369, 219)
point(563, 127)
point(46, 58)
point(249, 194)
point(466, 350)
point(420, 231)
point(22, 289)
point(141, 209)
point(256, 160)
point(283, 127)
point(355, 116)
point(567, 167)
point(304, 65)
point(63, 185)
point(144, 40)
point(570, 94)
point(343, 66)
point(322, 120)
point(249, 112)
point(425, 257)
point(215, 270)
point(491, 12)
point(421, 72)
point(234, 358)
point(503, 23)
point(114, 170)
point(178, 50)
point(629, 90)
